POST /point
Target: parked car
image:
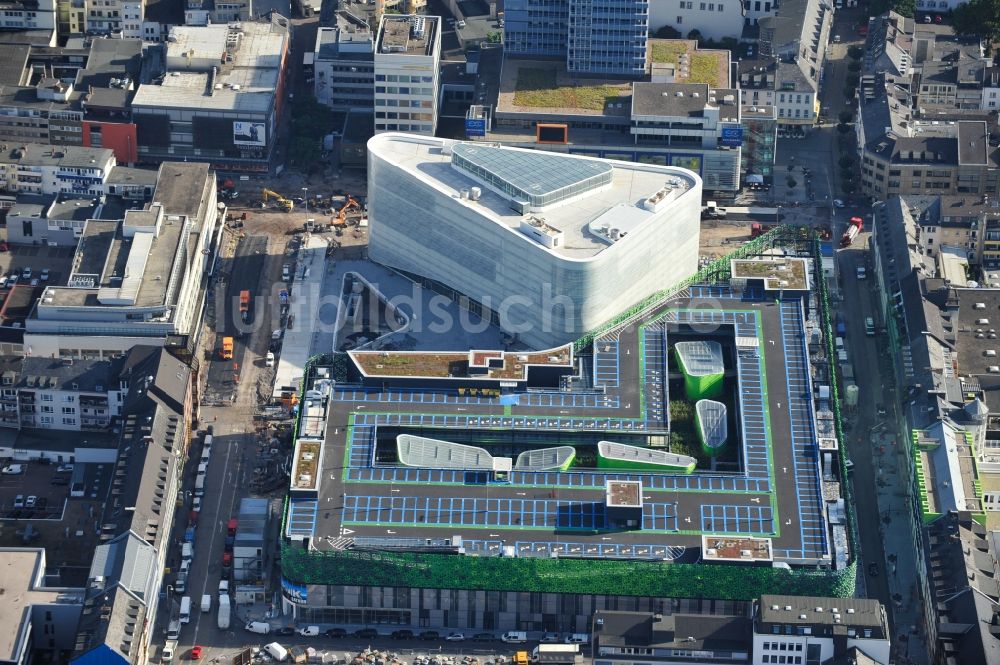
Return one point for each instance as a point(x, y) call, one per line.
point(31, 501)
point(838, 203)
point(59, 480)
point(13, 469)
point(402, 634)
point(550, 638)
point(269, 359)
point(366, 633)
point(309, 631)
point(336, 633)
point(26, 272)
point(45, 275)
point(64, 468)
point(430, 635)
point(19, 501)
point(196, 652)
point(455, 637)
point(483, 637)
point(284, 631)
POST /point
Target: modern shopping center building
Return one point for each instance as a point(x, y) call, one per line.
point(546, 245)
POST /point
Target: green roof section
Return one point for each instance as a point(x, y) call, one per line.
point(589, 576)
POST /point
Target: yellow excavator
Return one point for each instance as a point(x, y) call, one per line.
point(286, 204)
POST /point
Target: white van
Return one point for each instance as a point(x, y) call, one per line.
point(186, 609)
point(199, 486)
point(187, 551)
point(206, 602)
point(259, 627)
point(276, 651)
point(514, 637)
point(203, 469)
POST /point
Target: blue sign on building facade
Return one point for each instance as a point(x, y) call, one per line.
point(475, 127)
point(732, 136)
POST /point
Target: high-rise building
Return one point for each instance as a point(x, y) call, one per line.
point(608, 37)
point(407, 65)
point(595, 36)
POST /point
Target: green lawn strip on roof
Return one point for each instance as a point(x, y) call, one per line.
point(544, 575)
point(537, 87)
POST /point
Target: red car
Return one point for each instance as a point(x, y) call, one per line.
point(196, 653)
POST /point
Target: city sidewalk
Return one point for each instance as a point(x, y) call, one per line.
point(889, 456)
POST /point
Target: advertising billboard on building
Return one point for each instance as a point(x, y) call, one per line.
point(249, 134)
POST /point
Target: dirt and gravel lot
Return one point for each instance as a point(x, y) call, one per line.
point(719, 238)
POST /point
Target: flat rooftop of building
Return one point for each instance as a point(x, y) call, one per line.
point(127, 175)
point(545, 86)
point(110, 252)
point(672, 631)
point(30, 205)
point(34, 154)
point(425, 507)
point(398, 35)
point(854, 612)
point(499, 365)
point(777, 273)
point(181, 187)
point(630, 184)
point(349, 40)
point(691, 64)
point(977, 331)
point(248, 83)
point(685, 100)
point(21, 576)
point(71, 209)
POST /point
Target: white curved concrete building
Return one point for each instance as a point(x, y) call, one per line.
point(548, 245)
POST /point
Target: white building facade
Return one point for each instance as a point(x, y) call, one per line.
point(547, 246)
point(407, 66)
point(714, 20)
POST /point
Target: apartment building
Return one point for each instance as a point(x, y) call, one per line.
point(23, 15)
point(344, 64)
point(71, 96)
point(941, 342)
point(123, 591)
point(53, 170)
point(407, 65)
point(795, 39)
point(50, 393)
point(904, 155)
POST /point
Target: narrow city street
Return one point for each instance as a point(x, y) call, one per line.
point(880, 466)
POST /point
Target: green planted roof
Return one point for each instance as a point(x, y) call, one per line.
point(590, 576)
